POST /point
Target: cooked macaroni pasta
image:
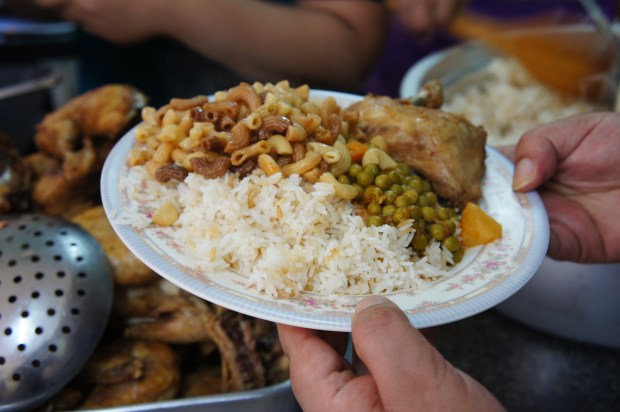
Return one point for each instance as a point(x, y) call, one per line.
point(275, 128)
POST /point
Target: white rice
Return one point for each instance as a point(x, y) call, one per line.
point(288, 236)
point(509, 102)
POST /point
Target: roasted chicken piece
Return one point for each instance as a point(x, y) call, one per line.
point(444, 147)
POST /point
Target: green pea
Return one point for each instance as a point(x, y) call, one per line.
point(390, 197)
point(402, 201)
point(417, 185)
point(398, 189)
point(451, 243)
point(364, 178)
point(354, 170)
point(457, 256)
point(400, 214)
point(388, 210)
point(372, 169)
point(428, 214)
point(360, 191)
point(422, 201)
point(344, 179)
point(426, 186)
point(395, 177)
point(382, 181)
point(373, 194)
point(403, 169)
point(374, 208)
point(450, 226)
point(431, 198)
point(412, 195)
point(419, 226)
point(419, 242)
point(437, 231)
point(416, 212)
point(443, 213)
point(375, 221)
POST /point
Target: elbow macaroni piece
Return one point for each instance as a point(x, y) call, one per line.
point(241, 155)
point(304, 165)
point(344, 161)
point(378, 157)
point(268, 164)
point(343, 191)
point(280, 145)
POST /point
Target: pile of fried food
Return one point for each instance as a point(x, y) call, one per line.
point(161, 343)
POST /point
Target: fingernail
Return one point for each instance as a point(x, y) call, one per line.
point(370, 301)
point(524, 174)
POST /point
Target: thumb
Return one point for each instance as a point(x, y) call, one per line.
point(396, 354)
point(406, 368)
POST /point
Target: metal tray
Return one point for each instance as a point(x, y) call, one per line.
point(278, 398)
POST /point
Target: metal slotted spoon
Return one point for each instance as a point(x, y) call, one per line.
point(55, 298)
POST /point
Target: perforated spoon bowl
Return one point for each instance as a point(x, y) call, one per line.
point(55, 299)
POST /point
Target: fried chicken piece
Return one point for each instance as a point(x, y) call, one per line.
point(129, 372)
point(54, 195)
point(242, 368)
point(128, 269)
point(104, 112)
point(204, 381)
point(79, 136)
point(250, 352)
point(15, 179)
point(163, 312)
point(270, 349)
point(41, 164)
point(444, 147)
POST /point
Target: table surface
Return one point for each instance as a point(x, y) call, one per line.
point(529, 370)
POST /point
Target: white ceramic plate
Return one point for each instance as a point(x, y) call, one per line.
point(486, 276)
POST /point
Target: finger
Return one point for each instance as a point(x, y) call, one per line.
point(562, 243)
point(358, 365)
point(536, 160)
point(337, 340)
point(569, 241)
point(322, 380)
point(541, 150)
point(315, 367)
point(396, 354)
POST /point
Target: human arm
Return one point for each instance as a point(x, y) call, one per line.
point(574, 164)
point(394, 368)
point(324, 42)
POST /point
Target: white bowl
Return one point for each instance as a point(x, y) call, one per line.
point(575, 301)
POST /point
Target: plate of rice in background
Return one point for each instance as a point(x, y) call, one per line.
point(247, 244)
point(493, 90)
